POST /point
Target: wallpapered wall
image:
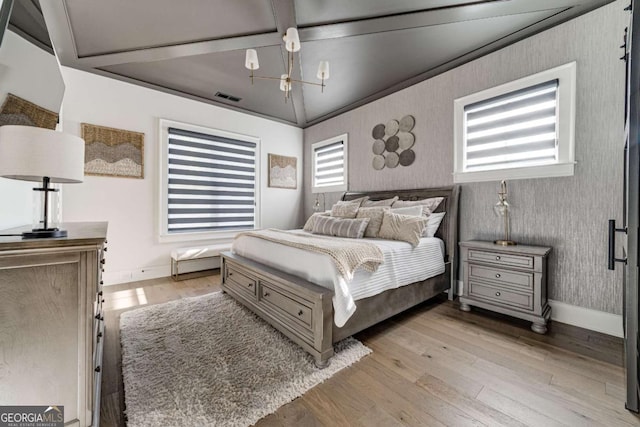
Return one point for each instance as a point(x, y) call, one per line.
point(569, 213)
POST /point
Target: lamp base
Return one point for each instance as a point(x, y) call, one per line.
point(49, 233)
point(504, 242)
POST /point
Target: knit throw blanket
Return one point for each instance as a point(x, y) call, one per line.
point(347, 254)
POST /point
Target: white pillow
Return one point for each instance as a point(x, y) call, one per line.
point(409, 210)
point(433, 222)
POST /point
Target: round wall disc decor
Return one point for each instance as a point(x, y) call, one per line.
point(394, 143)
point(407, 157)
point(405, 140)
point(392, 160)
point(378, 131)
point(378, 146)
point(378, 162)
point(392, 127)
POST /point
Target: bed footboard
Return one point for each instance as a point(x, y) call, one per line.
point(299, 309)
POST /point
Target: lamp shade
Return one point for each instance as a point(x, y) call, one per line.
point(292, 40)
point(284, 84)
point(323, 70)
point(30, 154)
point(251, 60)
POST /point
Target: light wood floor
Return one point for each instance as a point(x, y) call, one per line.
point(431, 366)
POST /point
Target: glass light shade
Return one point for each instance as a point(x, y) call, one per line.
point(284, 84)
point(251, 60)
point(323, 70)
point(292, 40)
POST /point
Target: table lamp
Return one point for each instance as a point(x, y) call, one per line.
point(41, 155)
point(502, 210)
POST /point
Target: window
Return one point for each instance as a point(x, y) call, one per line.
point(329, 159)
point(523, 129)
point(208, 184)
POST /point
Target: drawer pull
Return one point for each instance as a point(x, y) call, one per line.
point(498, 276)
point(99, 334)
point(250, 285)
point(102, 261)
point(97, 369)
point(300, 313)
point(105, 249)
point(100, 293)
point(498, 258)
point(102, 282)
point(230, 274)
point(266, 294)
point(497, 294)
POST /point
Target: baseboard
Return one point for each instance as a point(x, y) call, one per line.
point(599, 321)
point(586, 318)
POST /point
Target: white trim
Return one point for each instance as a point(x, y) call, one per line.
point(343, 187)
point(599, 321)
point(566, 74)
point(163, 236)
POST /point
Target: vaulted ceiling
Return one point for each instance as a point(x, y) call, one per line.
point(196, 48)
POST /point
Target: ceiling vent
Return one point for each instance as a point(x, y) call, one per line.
point(227, 97)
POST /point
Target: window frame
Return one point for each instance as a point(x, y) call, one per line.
point(163, 161)
point(566, 109)
point(345, 172)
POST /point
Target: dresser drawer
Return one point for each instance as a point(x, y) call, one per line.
point(292, 307)
point(241, 283)
point(521, 261)
point(512, 279)
point(501, 296)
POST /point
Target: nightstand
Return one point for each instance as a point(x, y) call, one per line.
point(510, 280)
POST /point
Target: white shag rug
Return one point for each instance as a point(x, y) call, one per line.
point(208, 361)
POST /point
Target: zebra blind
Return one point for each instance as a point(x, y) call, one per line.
point(328, 167)
point(517, 129)
point(211, 184)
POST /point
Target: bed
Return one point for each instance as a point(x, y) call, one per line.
point(299, 303)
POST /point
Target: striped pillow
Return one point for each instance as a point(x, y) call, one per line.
point(340, 227)
point(308, 226)
point(375, 215)
point(385, 202)
point(407, 228)
point(431, 203)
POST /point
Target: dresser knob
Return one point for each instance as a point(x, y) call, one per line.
point(99, 334)
point(102, 282)
point(250, 285)
point(498, 258)
point(102, 300)
point(100, 293)
point(97, 369)
point(300, 313)
point(497, 294)
point(105, 249)
point(230, 274)
point(266, 294)
point(97, 316)
point(498, 276)
point(102, 261)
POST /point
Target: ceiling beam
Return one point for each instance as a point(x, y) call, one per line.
point(285, 15)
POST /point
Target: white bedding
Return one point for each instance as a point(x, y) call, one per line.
point(402, 265)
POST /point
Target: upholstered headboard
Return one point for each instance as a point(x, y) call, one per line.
point(448, 230)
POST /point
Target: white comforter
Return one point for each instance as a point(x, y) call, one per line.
point(402, 265)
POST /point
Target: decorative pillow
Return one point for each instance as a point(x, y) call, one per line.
point(345, 209)
point(433, 222)
point(372, 203)
point(340, 227)
point(375, 215)
point(308, 226)
point(410, 210)
point(408, 228)
point(431, 203)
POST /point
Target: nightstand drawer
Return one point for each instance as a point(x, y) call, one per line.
point(521, 261)
point(513, 279)
point(500, 296)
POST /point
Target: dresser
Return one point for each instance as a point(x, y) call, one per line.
point(510, 280)
point(51, 321)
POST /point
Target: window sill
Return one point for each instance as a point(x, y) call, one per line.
point(546, 171)
point(221, 236)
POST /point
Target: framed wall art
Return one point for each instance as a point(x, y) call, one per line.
point(113, 152)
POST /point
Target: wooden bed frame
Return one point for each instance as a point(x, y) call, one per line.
point(303, 311)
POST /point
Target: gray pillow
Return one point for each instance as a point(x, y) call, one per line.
point(375, 215)
point(345, 209)
point(340, 227)
point(308, 226)
point(385, 202)
point(407, 228)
